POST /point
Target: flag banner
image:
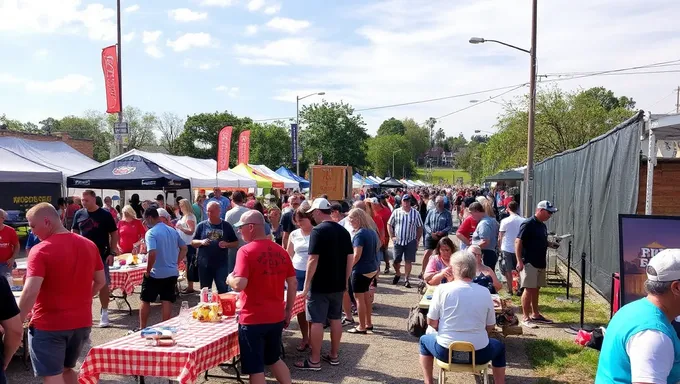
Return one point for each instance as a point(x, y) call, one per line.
point(224, 148)
point(294, 142)
point(244, 147)
point(110, 68)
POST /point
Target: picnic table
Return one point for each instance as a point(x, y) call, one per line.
point(200, 347)
point(126, 279)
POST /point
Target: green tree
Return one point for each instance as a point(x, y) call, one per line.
point(10, 124)
point(439, 138)
point(270, 144)
point(141, 126)
point(455, 144)
point(199, 138)
point(170, 127)
point(49, 125)
point(607, 99)
point(391, 126)
point(430, 123)
point(333, 131)
point(417, 136)
point(91, 127)
point(380, 151)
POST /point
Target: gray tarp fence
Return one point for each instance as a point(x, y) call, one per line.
point(592, 185)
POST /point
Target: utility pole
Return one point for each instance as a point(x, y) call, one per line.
point(529, 174)
point(120, 77)
point(677, 101)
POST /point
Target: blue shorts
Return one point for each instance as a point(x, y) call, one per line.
point(260, 346)
point(53, 351)
point(407, 252)
point(300, 277)
point(493, 352)
point(324, 306)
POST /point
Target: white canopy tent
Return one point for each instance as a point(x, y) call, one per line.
point(55, 155)
point(287, 183)
point(662, 136)
point(17, 169)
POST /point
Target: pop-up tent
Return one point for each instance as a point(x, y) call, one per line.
point(265, 171)
point(283, 171)
point(55, 155)
point(262, 181)
point(16, 169)
point(391, 183)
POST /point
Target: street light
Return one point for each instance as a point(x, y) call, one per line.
point(481, 130)
point(475, 101)
point(529, 173)
point(297, 121)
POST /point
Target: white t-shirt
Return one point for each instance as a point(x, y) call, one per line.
point(301, 247)
point(510, 225)
point(183, 223)
point(431, 205)
point(651, 357)
point(348, 226)
point(232, 217)
point(464, 310)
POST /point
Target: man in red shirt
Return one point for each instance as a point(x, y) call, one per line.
point(262, 268)
point(9, 245)
point(384, 211)
point(64, 272)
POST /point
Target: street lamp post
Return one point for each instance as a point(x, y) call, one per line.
point(297, 122)
point(529, 173)
point(481, 130)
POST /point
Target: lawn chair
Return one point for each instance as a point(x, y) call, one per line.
point(464, 347)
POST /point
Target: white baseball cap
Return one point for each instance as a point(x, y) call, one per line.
point(665, 266)
point(548, 206)
point(163, 213)
point(319, 203)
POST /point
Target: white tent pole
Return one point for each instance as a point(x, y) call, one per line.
point(651, 162)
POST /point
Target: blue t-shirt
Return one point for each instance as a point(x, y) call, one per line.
point(32, 240)
point(166, 242)
point(368, 239)
point(224, 205)
point(487, 229)
point(212, 255)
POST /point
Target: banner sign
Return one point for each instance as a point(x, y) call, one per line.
point(244, 147)
point(110, 68)
point(22, 196)
point(294, 142)
point(641, 237)
point(224, 148)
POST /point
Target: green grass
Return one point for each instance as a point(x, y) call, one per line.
point(448, 174)
point(569, 313)
point(562, 361)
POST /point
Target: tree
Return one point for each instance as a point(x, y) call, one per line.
point(141, 126)
point(391, 126)
point(270, 144)
point(380, 151)
point(607, 99)
point(49, 125)
point(333, 131)
point(430, 123)
point(417, 136)
point(170, 127)
point(199, 138)
point(455, 144)
point(92, 127)
point(12, 125)
point(439, 138)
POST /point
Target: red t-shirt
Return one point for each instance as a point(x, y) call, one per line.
point(67, 263)
point(382, 228)
point(129, 232)
point(468, 227)
point(8, 240)
point(385, 213)
point(507, 201)
point(113, 213)
point(266, 266)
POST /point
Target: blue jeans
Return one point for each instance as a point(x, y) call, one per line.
point(300, 277)
point(208, 273)
point(493, 352)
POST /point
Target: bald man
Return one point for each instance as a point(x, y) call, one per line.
point(262, 268)
point(64, 272)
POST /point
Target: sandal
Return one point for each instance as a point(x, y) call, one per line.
point(302, 347)
point(541, 319)
point(306, 365)
point(369, 328)
point(346, 321)
point(357, 331)
point(330, 360)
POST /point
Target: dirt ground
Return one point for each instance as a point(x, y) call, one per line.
point(389, 355)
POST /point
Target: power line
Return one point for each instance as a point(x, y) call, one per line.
point(481, 102)
point(663, 98)
point(653, 65)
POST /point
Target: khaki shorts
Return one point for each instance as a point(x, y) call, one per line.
point(532, 277)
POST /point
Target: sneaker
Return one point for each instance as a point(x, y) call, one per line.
point(346, 322)
point(529, 324)
point(386, 271)
point(104, 322)
point(407, 284)
point(395, 280)
point(542, 320)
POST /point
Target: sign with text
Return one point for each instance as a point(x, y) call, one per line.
point(224, 148)
point(294, 142)
point(641, 238)
point(22, 196)
point(331, 181)
point(111, 82)
point(244, 147)
point(121, 128)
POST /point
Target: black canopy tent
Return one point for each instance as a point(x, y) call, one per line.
point(509, 175)
point(391, 183)
point(128, 173)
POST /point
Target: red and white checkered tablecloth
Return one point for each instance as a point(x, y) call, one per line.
point(213, 344)
point(127, 279)
point(298, 306)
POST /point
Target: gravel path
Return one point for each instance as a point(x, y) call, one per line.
point(390, 355)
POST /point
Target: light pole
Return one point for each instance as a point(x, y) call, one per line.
point(475, 101)
point(297, 122)
point(120, 75)
point(394, 153)
point(529, 173)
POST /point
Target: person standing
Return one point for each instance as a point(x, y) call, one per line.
point(108, 205)
point(298, 250)
point(232, 217)
point(262, 269)
point(531, 249)
point(641, 345)
point(486, 235)
point(13, 329)
point(131, 231)
point(328, 271)
point(438, 224)
point(186, 228)
point(287, 223)
point(165, 249)
point(197, 207)
point(366, 244)
point(223, 201)
point(96, 224)
point(63, 273)
point(9, 245)
point(385, 213)
point(507, 234)
point(212, 239)
point(405, 229)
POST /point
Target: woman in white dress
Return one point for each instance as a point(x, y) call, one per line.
point(186, 226)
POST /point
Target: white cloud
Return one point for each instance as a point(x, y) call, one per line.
point(150, 36)
point(272, 9)
point(128, 37)
point(153, 51)
point(202, 65)
point(190, 40)
point(132, 8)
point(254, 5)
point(41, 54)
point(268, 62)
point(6, 78)
point(150, 41)
point(217, 3)
point(68, 84)
point(288, 25)
point(230, 91)
point(251, 30)
point(291, 50)
point(186, 15)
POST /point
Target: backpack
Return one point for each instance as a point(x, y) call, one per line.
point(416, 323)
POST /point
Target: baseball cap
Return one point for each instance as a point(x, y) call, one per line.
point(545, 204)
point(665, 266)
point(250, 217)
point(163, 213)
point(407, 197)
point(319, 203)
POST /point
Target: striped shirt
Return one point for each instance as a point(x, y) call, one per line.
point(404, 225)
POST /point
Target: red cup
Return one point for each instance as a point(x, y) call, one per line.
point(228, 301)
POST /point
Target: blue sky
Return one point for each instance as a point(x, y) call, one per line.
point(252, 57)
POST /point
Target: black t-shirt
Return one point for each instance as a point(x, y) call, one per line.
point(287, 224)
point(534, 236)
point(468, 201)
point(8, 309)
point(96, 226)
point(332, 243)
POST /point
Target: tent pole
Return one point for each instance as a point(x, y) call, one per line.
point(651, 161)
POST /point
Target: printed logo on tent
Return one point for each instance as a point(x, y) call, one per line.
point(82, 182)
point(124, 170)
point(173, 182)
point(148, 182)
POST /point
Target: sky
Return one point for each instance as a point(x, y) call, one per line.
point(253, 57)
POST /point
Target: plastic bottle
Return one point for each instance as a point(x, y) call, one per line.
point(204, 295)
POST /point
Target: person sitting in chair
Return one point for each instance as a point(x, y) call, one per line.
point(438, 270)
point(486, 276)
